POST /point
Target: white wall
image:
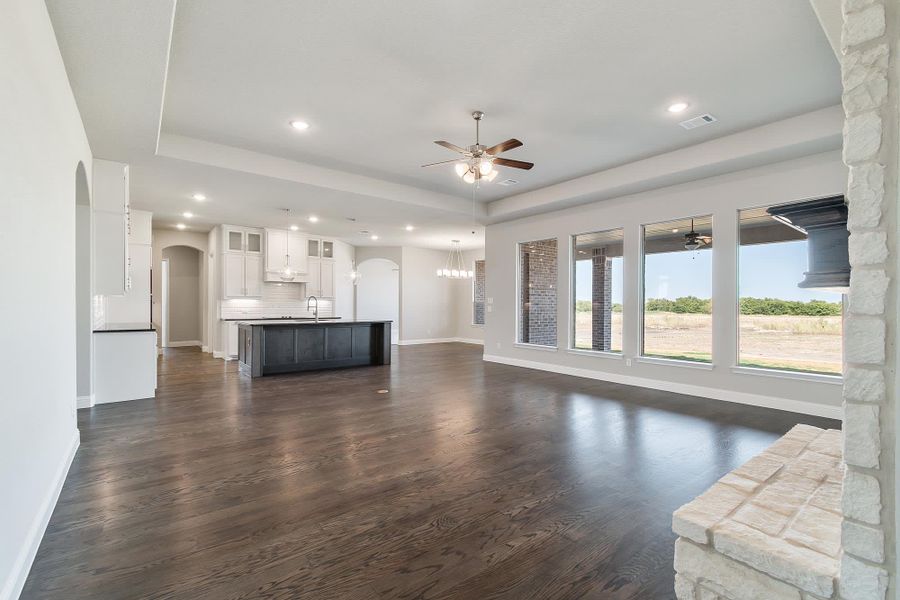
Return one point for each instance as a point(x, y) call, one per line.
point(378, 293)
point(344, 255)
point(809, 177)
point(185, 294)
point(462, 290)
point(427, 307)
point(41, 145)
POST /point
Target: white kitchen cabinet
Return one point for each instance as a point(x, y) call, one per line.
point(320, 278)
point(285, 249)
point(109, 209)
point(242, 262)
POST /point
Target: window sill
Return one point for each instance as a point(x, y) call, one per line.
point(477, 325)
point(674, 362)
point(596, 353)
point(817, 377)
point(536, 347)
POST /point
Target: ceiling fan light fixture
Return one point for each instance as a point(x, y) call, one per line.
point(469, 177)
point(486, 167)
point(461, 169)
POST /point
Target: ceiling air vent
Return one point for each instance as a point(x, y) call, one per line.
point(507, 182)
point(700, 121)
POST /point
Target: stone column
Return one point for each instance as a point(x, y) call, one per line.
point(601, 300)
point(869, 45)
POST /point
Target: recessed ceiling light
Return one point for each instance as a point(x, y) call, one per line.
point(300, 125)
point(674, 231)
point(374, 237)
point(181, 226)
point(677, 107)
point(199, 197)
point(294, 228)
point(313, 219)
point(187, 215)
point(409, 227)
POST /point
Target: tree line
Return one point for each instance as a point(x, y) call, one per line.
point(749, 306)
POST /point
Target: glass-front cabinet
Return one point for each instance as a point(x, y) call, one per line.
point(318, 248)
point(243, 240)
point(312, 248)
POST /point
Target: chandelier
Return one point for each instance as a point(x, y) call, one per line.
point(455, 267)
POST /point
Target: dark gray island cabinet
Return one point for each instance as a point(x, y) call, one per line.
point(270, 347)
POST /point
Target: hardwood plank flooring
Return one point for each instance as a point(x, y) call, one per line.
point(467, 480)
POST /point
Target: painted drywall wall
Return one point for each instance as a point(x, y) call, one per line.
point(378, 293)
point(462, 292)
point(43, 142)
point(427, 307)
point(344, 255)
point(83, 309)
point(164, 238)
point(185, 294)
point(809, 177)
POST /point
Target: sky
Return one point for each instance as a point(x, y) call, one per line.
point(766, 271)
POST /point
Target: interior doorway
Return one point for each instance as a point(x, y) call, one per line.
point(183, 296)
point(83, 293)
point(378, 293)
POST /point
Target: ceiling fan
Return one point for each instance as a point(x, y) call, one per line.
point(478, 161)
point(694, 241)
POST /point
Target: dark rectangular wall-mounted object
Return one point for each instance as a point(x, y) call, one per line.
point(278, 347)
point(824, 221)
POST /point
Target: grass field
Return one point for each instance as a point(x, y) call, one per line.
point(792, 343)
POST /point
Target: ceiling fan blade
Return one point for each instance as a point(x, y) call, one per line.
point(503, 147)
point(450, 146)
point(444, 162)
point(516, 164)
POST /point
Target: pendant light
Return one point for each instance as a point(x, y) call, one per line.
point(455, 267)
point(287, 274)
point(354, 273)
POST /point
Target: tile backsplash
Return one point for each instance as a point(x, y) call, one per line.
point(278, 300)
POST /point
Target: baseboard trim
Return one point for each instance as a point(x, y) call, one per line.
point(797, 406)
point(12, 588)
point(204, 349)
point(183, 344)
point(84, 401)
point(217, 354)
point(439, 341)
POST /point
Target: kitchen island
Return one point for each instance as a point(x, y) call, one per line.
point(269, 347)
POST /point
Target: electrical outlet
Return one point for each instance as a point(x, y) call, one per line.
point(490, 308)
point(627, 362)
point(498, 345)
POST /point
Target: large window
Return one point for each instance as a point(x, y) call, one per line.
point(478, 294)
point(677, 319)
point(537, 293)
point(597, 263)
point(783, 325)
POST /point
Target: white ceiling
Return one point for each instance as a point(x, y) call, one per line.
point(177, 92)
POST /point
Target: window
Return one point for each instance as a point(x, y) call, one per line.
point(537, 293)
point(677, 319)
point(478, 294)
point(597, 263)
point(783, 325)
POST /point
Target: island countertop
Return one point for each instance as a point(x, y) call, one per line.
point(268, 347)
point(322, 321)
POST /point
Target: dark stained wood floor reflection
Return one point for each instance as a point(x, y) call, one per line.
point(469, 480)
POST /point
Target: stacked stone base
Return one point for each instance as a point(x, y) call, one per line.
point(769, 530)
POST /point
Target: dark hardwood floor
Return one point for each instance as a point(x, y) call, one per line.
point(468, 480)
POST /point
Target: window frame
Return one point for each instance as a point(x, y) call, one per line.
point(518, 291)
point(737, 367)
point(641, 356)
point(570, 346)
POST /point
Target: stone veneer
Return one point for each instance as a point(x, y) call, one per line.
point(537, 292)
point(601, 300)
point(769, 530)
point(868, 72)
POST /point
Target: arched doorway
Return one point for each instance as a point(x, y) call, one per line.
point(183, 296)
point(83, 305)
point(378, 293)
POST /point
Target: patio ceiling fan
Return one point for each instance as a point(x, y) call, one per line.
point(695, 241)
point(478, 161)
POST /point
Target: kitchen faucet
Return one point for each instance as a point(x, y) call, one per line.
point(315, 308)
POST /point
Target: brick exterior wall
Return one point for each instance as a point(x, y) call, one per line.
point(601, 301)
point(537, 292)
point(478, 294)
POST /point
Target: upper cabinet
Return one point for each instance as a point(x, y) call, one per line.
point(320, 248)
point(110, 213)
point(242, 269)
point(286, 258)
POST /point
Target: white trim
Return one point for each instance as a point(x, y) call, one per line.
point(798, 406)
point(13, 585)
point(536, 347)
point(217, 354)
point(597, 353)
point(183, 344)
point(469, 341)
point(426, 341)
point(204, 348)
point(674, 362)
point(762, 372)
point(84, 401)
